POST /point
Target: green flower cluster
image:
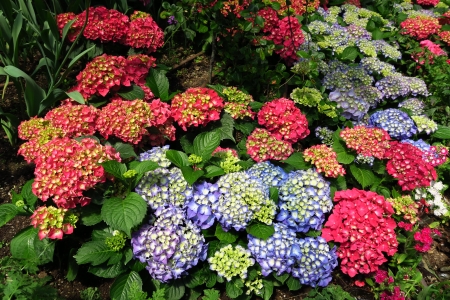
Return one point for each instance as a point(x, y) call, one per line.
point(229, 165)
point(117, 241)
point(425, 124)
point(230, 262)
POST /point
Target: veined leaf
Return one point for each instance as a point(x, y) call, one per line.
point(122, 287)
point(205, 143)
point(94, 252)
point(364, 177)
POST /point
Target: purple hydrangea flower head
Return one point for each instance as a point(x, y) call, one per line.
point(304, 198)
point(396, 122)
point(393, 86)
point(359, 32)
point(413, 104)
point(242, 199)
point(353, 106)
point(164, 186)
point(169, 248)
point(272, 175)
point(374, 65)
point(314, 261)
point(369, 94)
point(157, 155)
point(199, 208)
point(274, 254)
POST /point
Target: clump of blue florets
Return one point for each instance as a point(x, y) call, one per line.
point(268, 173)
point(314, 261)
point(304, 198)
point(242, 199)
point(421, 144)
point(199, 207)
point(169, 247)
point(415, 105)
point(325, 135)
point(397, 85)
point(274, 254)
point(396, 122)
point(164, 186)
point(353, 107)
point(157, 155)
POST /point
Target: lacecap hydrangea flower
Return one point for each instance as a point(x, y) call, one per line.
point(242, 198)
point(304, 199)
point(272, 175)
point(396, 122)
point(164, 186)
point(169, 247)
point(199, 207)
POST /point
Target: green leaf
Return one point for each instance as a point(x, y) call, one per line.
point(145, 166)
point(186, 144)
point(443, 133)
point(377, 34)
point(132, 92)
point(215, 246)
point(159, 84)
point(78, 57)
point(94, 252)
point(297, 161)
point(383, 191)
point(211, 280)
point(349, 53)
point(293, 284)
point(245, 127)
point(205, 143)
point(260, 230)
point(75, 95)
point(107, 271)
point(365, 177)
point(379, 167)
point(213, 171)
point(178, 158)
point(211, 294)
point(225, 236)
point(91, 215)
point(27, 246)
point(72, 269)
point(343, 155)
point(115, 168)
point(190, 175)
point(121, 289)
point(234, 287)
point(125, 150)
point(27, 193)
point(7, 212)
point(267, 289)
point(281, 278)
point(195, 279)
point(273, 192)
point(124, 214)
point(227, 127)
point(341, 183)
point(175, 290)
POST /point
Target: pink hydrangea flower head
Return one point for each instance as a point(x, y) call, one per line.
point(53, 222)
point(445, 37)
point(262, 146)
point(196, 107)
point(420, 27)
point(366, 141)
point(144, 33)
point(325, 160)
point(284, 120)
point(424, 239)
point(137, 67)
point(405, 226)
point(270, 17)
point(427, 2)
point(62, 20)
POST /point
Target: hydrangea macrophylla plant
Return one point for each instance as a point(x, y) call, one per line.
point(284, 120)
point(433, 195)
point(272, 175)
point(169, 247)
point(396, 122)
point(53, 222)
point(353, 107)
point(144, 33)
point(407, 165)
point(129, 120)
point(196, 107)
point(242, 199)
point(445, 37)
point(406, 207)
point(361, 222)
point(237, 103)
point(325, 160)
point(157, 155)
point(65, 168)
point(366, 141)
point(424, 124)
point(420, 27)
point(262, 145)
point(164, 186)
point(304, 200)
point(421, 57)
point(231, 261)
point(397, 85)
point(62, 20)
point(314, 261)
point(413, 104)
point(274, 254)
point(427, 2)
point(199, 207)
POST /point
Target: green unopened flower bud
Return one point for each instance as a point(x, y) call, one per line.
point(130, 174)
point(230, 163)
point(117, 241)
point(195, 159)
point(20, 203)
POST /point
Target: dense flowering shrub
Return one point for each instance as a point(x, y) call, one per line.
point(420, 27)
point(262, 146)
point(422, 57)
point(53, 222)
point(284, 120)
point(325, 160)
point(396, 122)
point(196, 107)
point(289, 35)
point(144, 33)
point(366, 141)
point(361, 222)
point(169, 247)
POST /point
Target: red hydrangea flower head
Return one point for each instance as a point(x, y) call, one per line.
point(427, 2)
point(407, 165)
point(405, 226)
point(128, 120)
point(420, 27)
point(144, 33)
point(159, 134)
point(436, 155)
point(445, 37)
point(284, 120)
point(65, 168)
point(196, 107)
point(30, 129)
point(62, 20)
point(366, 141)
point(361, 221)
point(73, 120)
point(262, 146)
point(324, 158)
point(270, 17)
point(137, 67)
point(53, 222)
point(424, 239)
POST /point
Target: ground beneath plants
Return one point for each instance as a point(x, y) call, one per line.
point(189, 69)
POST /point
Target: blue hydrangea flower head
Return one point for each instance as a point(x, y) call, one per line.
point(314, 261)
point(199, 208)
point(413, 104)
point(169, 249)
point(353, 106)
point(157, 155)
point(274, 254)
point(421, 144)
point(267, 172)
point(164, 186)
point(396, 122)
point(304, 198)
